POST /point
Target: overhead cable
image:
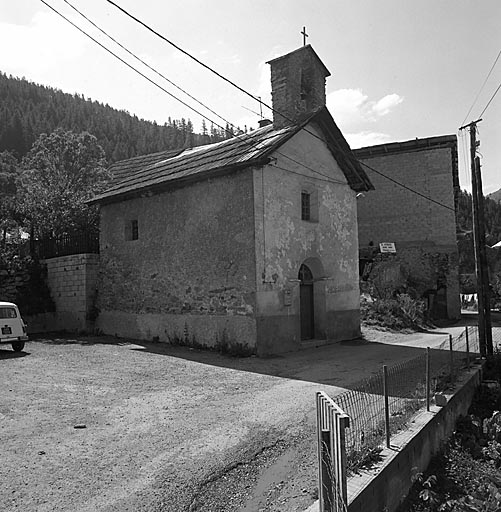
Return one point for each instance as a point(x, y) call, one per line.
point(251, 144)
point(492, 97)
point(328, 178)
point(145, 25)
point(146, 64)
point(481, 89)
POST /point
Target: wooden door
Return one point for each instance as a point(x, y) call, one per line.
point(307, 314)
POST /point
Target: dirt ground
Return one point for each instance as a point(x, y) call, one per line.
point(102, 424)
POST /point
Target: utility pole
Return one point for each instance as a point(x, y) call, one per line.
point(483, 260)
point(481, 270)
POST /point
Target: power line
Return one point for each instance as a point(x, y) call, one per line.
point(252, 145)
point(406, 187)
point(248, 142)
point(350, 156)
point(137, 20)
point(492, 97)
point(127, 64)
point(482, 88)
point(145, 25)
point(327, 179)
point(145, 63)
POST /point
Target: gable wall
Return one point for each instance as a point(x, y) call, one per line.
point(190, 276)
point(424, 232)
point(381, 210)
point(284, 242)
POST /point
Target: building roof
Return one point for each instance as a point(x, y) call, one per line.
point(406, 146)
point(308, 48)
point(141, 174)
point(410, 146)
point(119, 170)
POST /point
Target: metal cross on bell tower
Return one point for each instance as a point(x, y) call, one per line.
point(305, 35)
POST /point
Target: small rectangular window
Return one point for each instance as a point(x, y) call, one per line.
point(305, 206)
point(135, 230)
point(131, 230)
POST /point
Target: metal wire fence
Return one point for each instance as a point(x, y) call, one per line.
point(406, 391)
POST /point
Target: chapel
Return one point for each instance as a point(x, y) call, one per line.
point(248, 245)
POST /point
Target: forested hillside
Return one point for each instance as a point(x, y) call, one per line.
point(492, 213)
point(28, 109)
point(496, 196)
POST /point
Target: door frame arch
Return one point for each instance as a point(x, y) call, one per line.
point(317, 329)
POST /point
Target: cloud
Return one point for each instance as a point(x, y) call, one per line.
point(366, 138)
point(385, 105)
point(351, 107)
point(46, 43)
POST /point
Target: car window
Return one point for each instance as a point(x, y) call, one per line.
point(8, 313)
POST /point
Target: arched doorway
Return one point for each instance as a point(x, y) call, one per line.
point(307, 303)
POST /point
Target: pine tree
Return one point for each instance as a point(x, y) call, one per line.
point(27, 110)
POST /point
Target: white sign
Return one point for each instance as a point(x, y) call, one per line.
point(387, 247)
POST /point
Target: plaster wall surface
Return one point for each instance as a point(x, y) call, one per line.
point(424, 232)
point(328, 244)
point(190, 273)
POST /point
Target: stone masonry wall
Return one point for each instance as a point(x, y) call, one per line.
point(190, 274)
point(298, 86)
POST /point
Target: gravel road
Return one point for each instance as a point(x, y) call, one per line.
point(102, 424)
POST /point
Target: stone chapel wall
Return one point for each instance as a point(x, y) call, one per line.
point(190, 275)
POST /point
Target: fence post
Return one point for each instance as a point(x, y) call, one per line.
point(428, 383)
point(344, 423)
point(326, 470)
point(322, 466)
point(386, 406)
point(451, 358)
point(467, 348)
point(331, 424)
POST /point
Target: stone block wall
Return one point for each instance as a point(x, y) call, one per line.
point(24, 282)
point(392, 213)
point(422, 225)
point(72, 281)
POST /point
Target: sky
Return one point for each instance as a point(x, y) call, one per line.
point(400, 69)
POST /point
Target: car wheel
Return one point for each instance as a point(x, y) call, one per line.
point(17, 346)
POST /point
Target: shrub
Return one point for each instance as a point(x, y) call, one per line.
point(399, 312)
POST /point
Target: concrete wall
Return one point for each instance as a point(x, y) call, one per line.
point(424, 232)
point(72, 282)
point(328, 246)
point(190, 275)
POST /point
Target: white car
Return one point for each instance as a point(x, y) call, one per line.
point(12, 327)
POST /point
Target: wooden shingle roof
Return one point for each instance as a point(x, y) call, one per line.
point(141, 174)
